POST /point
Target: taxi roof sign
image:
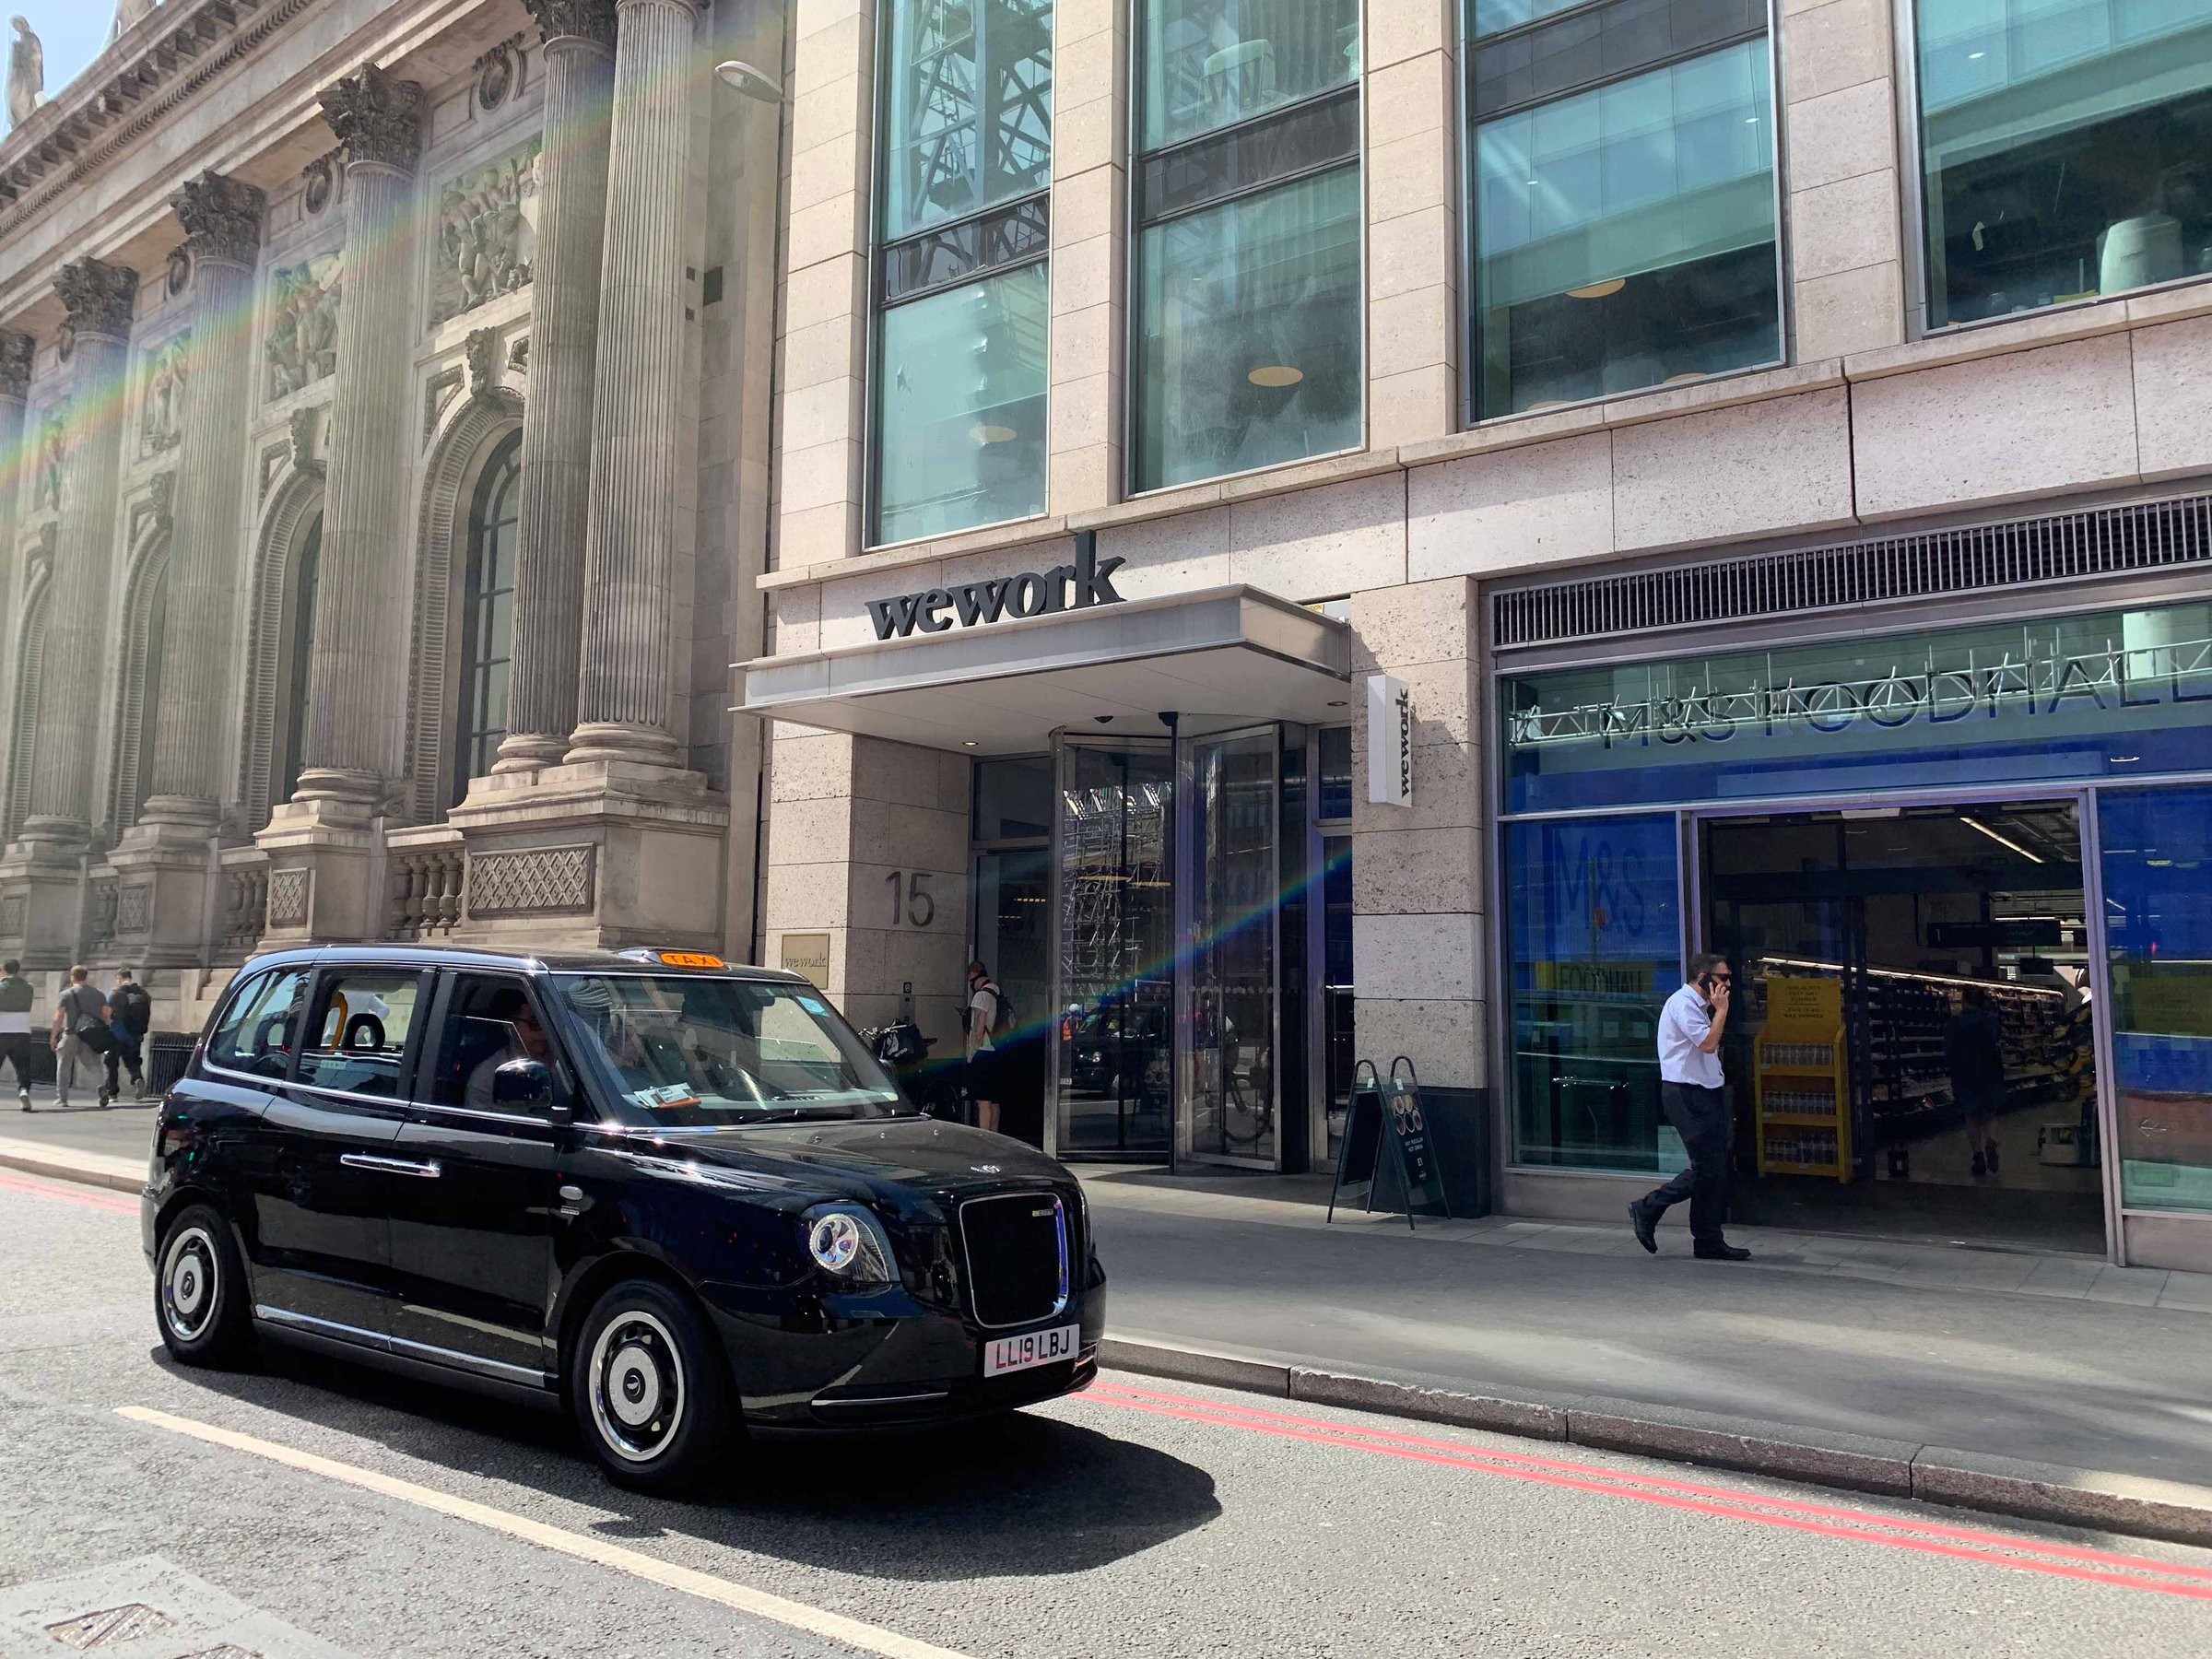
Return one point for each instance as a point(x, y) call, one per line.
point(689, 958)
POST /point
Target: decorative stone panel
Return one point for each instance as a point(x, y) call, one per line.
point(303, 343)
point(14, 910)
point(290, 892)
point(487, 233)
point(134, 910)
point(538, 881)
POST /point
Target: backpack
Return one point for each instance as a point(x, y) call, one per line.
point(131, 1006)
point(1002, 1010)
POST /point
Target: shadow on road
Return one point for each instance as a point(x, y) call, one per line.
point(1016, 1497)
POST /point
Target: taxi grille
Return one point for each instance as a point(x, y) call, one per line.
point(1017, 1257)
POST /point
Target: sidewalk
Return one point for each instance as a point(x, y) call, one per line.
point(110, 1147)
point(1819, 1341)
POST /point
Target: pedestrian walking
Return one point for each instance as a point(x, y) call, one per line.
point(1973, 1056)
point(130, 1011)
point(15, 998)
point(986, 1011)
point(1694, 1096)
point(80, 1032)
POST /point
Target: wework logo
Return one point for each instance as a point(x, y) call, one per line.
point(1078, 586)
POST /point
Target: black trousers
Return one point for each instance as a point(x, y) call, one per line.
point(17, 1049)
point(1701, 1118)
point(127, 1052)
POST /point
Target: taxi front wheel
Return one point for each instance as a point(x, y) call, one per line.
point(649, 1388)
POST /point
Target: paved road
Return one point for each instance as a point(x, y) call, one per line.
point(1142, 1519)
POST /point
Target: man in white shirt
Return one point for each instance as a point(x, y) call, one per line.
point(984, 999)
point(1693, 1096)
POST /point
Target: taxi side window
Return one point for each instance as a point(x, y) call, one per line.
point(490, 1020)
point(361, 1028)
point(256, 1034)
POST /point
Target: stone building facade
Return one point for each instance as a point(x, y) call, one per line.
point(390, 389)
point(1420, 356)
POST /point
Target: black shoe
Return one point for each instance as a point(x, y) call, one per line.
point(1646, 1225)
point(1993, 1161)
point(1978, 1166)
point(1723, 1252)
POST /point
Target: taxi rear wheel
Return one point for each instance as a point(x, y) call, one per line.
point(199, 1289)
point(649, 1388)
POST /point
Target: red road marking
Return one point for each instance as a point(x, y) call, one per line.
point(2000, 1549)
point(101, 1198)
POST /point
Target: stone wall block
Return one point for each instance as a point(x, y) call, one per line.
point(2173, 398)
point(1416, 958)
point(1783, 463)
point(1416, 872)
point(1312, 544)
point(1511, 510)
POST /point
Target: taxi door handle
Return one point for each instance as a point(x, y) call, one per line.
point(572, 1203)
point(390, 1166)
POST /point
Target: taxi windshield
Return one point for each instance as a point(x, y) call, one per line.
point(689, 1052)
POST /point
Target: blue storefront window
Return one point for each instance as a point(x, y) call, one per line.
point(2157, 847)
point(1595, 928)
point(2107, 695)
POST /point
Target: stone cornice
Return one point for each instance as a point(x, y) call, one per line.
point(174, 53)
point(377, 118)
point(221, 217)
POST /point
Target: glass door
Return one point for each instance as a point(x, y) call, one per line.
point(1113, 1010)
point(1230, 1111)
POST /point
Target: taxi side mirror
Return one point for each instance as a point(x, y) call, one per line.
point(522, 1086)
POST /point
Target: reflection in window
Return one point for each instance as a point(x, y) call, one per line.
point(960, 366)
point(1248, 249)
point(361, 1034)
point(960, 381)
point(488, 625)
point(1593, 920)
point(2157, 845)
point(1625, 234)
point(2067, 147)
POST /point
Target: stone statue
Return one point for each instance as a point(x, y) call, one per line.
point(26, 74)
point(53, 446)
point(162, 426)
point(128, 12)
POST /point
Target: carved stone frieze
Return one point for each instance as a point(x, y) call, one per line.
point(481, 352)
point(168, 367)
point(289, 891)
point(97, 297)
point(487, 233)
point(377, 117)
point(538, 881)
point(592, 20)
point(160, 501)
point(221, 217)
point(302, 344)
point(16, 353)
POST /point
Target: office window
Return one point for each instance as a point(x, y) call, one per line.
point(2067, 149)
point(963, 232)
point(1247, 283)
point(1622, 166)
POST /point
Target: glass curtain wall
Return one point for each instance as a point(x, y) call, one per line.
point(1621, 162)
point(2066, 149)
point(1011, 824)
point(963, 228)
point(1246, 334)
point(1235, 1041)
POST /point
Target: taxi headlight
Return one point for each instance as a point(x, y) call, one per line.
point(848, 1243)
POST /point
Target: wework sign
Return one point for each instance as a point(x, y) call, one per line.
point(1389, 741)
point(1078, 586)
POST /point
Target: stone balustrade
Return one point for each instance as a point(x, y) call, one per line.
point(426, 869)
point(102, 893)
point(245, 901)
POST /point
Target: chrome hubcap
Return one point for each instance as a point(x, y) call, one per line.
point(188, 1283)
point(637, 1387)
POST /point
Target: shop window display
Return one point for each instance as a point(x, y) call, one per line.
point(2066, 149)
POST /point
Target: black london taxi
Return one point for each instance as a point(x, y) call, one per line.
point(679, 1196)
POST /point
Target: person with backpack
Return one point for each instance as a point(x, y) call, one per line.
point(15, 998)
point(130, 1011)
point(80, 1033)
point(987, 1019)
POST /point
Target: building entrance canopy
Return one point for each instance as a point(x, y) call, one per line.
point(1228, 652)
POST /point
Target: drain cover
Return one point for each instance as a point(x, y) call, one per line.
point(110, 1626)
point(145, 1609)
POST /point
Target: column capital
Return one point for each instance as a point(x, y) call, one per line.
point(690, 8)
point(591, 21)
point(221, 216)
point(15, 364)
point(377, 118)
point(97, 297)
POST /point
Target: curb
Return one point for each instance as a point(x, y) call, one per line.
point(2101, 1500)
point(53, 1169)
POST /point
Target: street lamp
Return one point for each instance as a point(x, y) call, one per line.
point(741, 76)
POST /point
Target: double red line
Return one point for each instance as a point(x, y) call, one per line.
point(1827, 1520)
point(100, 1198)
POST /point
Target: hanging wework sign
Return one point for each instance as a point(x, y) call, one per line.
point(1087, 582)
point(1389, 741)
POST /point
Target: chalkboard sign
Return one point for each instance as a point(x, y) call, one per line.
point(1385, 1128)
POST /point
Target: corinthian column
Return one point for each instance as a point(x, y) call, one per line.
point(622, 693)
point(358, 681)
point(98, 298)
point(557, 420)
point(222, 235)
point(15, 390)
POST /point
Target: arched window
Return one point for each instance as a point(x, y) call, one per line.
point(301, 650)
point(30, 650)
point(487, 614)
point(149, 626)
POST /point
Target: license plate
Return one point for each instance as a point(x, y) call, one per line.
point(1003, 1354)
